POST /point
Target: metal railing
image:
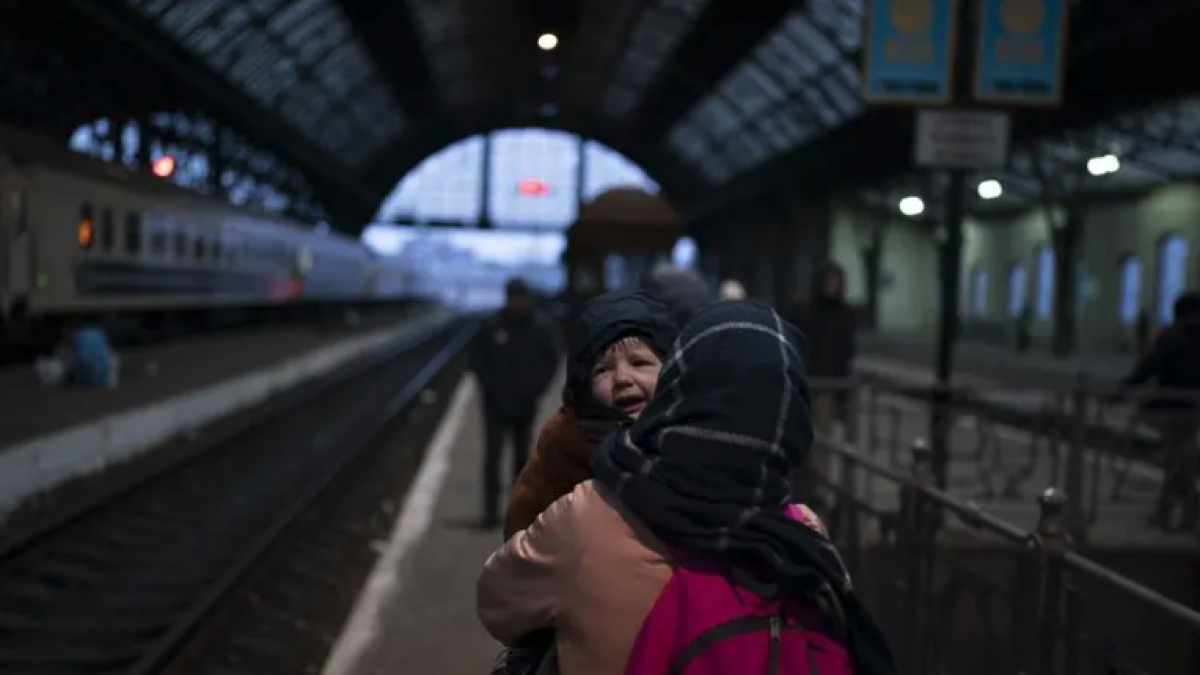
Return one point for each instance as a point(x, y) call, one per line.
point(962, 591)
point(1109, 452)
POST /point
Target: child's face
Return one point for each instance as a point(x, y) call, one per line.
point(625, 375)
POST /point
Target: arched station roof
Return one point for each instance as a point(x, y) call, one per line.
point(716, 99)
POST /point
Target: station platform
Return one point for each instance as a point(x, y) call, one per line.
point(417, 611)
point(52, 435)
point(1001, 467)
point(1001, 362)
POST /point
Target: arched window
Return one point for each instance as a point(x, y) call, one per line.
point(533, 180)
point(1172, 274)
point(1016, 289)
point(522, 156)
point(1130, 298)
point(605, 169)
point(1044, 299)
point(684, 253)
point(979, 291)
point(446, 187)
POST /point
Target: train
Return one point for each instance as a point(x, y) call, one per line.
point(86, 239)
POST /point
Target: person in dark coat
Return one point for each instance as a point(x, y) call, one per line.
point(616, 350)
point(514, 358)
point(830, 325)
point(1173, 363)
point(684, 291)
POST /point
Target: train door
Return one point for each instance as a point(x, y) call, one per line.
point(16, 245)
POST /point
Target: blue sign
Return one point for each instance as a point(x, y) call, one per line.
point(1022, 44)
point(909, 54)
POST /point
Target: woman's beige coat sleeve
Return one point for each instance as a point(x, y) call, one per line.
point(521, 588)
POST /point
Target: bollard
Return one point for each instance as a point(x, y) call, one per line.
point(917, 538)
point(922, 461)
point(1054, 541)
point(1051, 526)
point(1075, 467)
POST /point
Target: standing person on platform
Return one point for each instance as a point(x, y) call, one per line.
point(684, 291)
point(514, 359)
point(1173, 363)
point(830, 326)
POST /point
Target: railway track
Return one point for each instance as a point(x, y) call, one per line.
point(124, 585)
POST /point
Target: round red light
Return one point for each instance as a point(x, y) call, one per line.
point(163, 166)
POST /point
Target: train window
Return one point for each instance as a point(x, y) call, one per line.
point(199, 249)
point(217, 250)
point(107, 231)
point(85, 230)
point(133, 234)
point(158, 241)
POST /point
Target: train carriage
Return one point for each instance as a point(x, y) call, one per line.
point(82, 237)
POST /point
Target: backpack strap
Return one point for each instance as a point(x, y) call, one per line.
point(772, 624)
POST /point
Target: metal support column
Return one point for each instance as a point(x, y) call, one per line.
point(485, 184)
point(145, 140)
point(950, 263)
point(581, 173)
point(950, 280)
point(217, 161)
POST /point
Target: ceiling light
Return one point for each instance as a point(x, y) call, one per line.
point(912, 206)
point(1103, 165)
point(990, 189)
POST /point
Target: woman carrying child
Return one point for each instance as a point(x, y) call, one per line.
point(683, 555)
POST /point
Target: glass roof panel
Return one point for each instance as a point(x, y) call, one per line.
point(815, 42)
point(440, 24)
point(843, 87)
point(751, 89)
point(654, 38)
point(715, 169)
point(843, 20)
point(746, 148)
point(1133, 174)
point(297, 58)
point(786, 58)
point(690, 144)
point(717, 117)
point(819, 102)
point(1180, 163)
point(787, 127)
point(798, 75)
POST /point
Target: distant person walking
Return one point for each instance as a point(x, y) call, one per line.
point(1173, 363)
point(683, 290)
point(732, 289)
point(514, 358)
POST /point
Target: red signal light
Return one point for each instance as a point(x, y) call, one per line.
point(163, 166)
point(532, 187)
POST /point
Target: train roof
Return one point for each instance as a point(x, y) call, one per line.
point(24, 148)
